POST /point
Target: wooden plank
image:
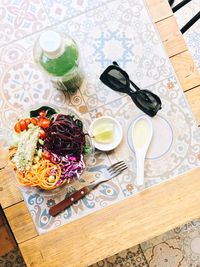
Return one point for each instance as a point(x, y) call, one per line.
point(20, 222)
point(186, 70)
point(193, 97)
point(159, 9)
point(171, 36)
point(160, 209)
point(9, 193)
point(180, 57)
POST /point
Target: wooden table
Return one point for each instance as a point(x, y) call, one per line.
point(146, 215)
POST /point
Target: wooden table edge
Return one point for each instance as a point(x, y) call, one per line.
point(119, 226)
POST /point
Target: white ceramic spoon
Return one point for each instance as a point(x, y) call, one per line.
point(142, 131)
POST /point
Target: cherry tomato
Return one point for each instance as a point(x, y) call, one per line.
point(23, 125)
point(42, 113)
point(34, 121)
point(42, 134)
point(44, 122)
point(27, 120)
point(46, 154)
point(17, 127)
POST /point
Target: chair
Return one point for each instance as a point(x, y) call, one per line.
point(190, 22)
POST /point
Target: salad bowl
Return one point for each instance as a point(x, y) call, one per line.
point(50, 148)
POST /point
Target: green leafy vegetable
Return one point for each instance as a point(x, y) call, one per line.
point(49, 111)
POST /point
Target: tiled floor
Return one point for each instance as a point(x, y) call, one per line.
point(10, 255)
point(12, 259)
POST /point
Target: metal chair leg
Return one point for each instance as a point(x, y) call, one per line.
point(191, 22)
point(181, 4)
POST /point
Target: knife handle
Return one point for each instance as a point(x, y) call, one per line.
point(56, 209)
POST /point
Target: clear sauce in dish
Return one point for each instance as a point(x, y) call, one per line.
point(140, 133)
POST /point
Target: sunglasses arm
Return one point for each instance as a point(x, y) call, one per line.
point(134, 85)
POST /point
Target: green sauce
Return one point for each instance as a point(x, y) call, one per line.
point(64, 67)
point(61, 65)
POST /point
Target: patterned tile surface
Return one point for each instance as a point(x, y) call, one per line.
point(180, 246)
point(59, 10)
point(23, 85)
point(20, 18)
point(12, 259)
point(132, 257)
point(104, 34)
point(166, 157)
point(189, 242)
point(164, 251)
point(192, 36)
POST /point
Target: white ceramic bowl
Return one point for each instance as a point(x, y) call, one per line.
point(118, 133)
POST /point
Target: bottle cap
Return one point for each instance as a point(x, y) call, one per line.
point(51, 43)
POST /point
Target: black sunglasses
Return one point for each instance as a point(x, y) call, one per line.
point(118, 80)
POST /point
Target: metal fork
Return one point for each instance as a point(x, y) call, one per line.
point(108, 174)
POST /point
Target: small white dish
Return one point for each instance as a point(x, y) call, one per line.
point(118, 133)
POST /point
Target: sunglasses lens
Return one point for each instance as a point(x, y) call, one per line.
point(146, 99)
point(117, 79)
point(148, 102)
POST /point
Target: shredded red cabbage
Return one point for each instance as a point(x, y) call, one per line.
point(65, 136)
point(71, 167)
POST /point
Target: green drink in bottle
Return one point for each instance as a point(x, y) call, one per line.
point(59, 58)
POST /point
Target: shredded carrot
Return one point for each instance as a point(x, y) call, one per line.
point(44, 174)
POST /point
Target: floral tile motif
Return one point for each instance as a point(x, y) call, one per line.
point(165, 254)
point(168, 157)
point(164, 251)
point(130, 257)
point(12, 258)
point(59, 10)
point(188, 236)
point(187, 227)
point(23, 85)
point(190, 245)
point(192, 39)
point(105, 34)
point(39, 201)
point(20, 18)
